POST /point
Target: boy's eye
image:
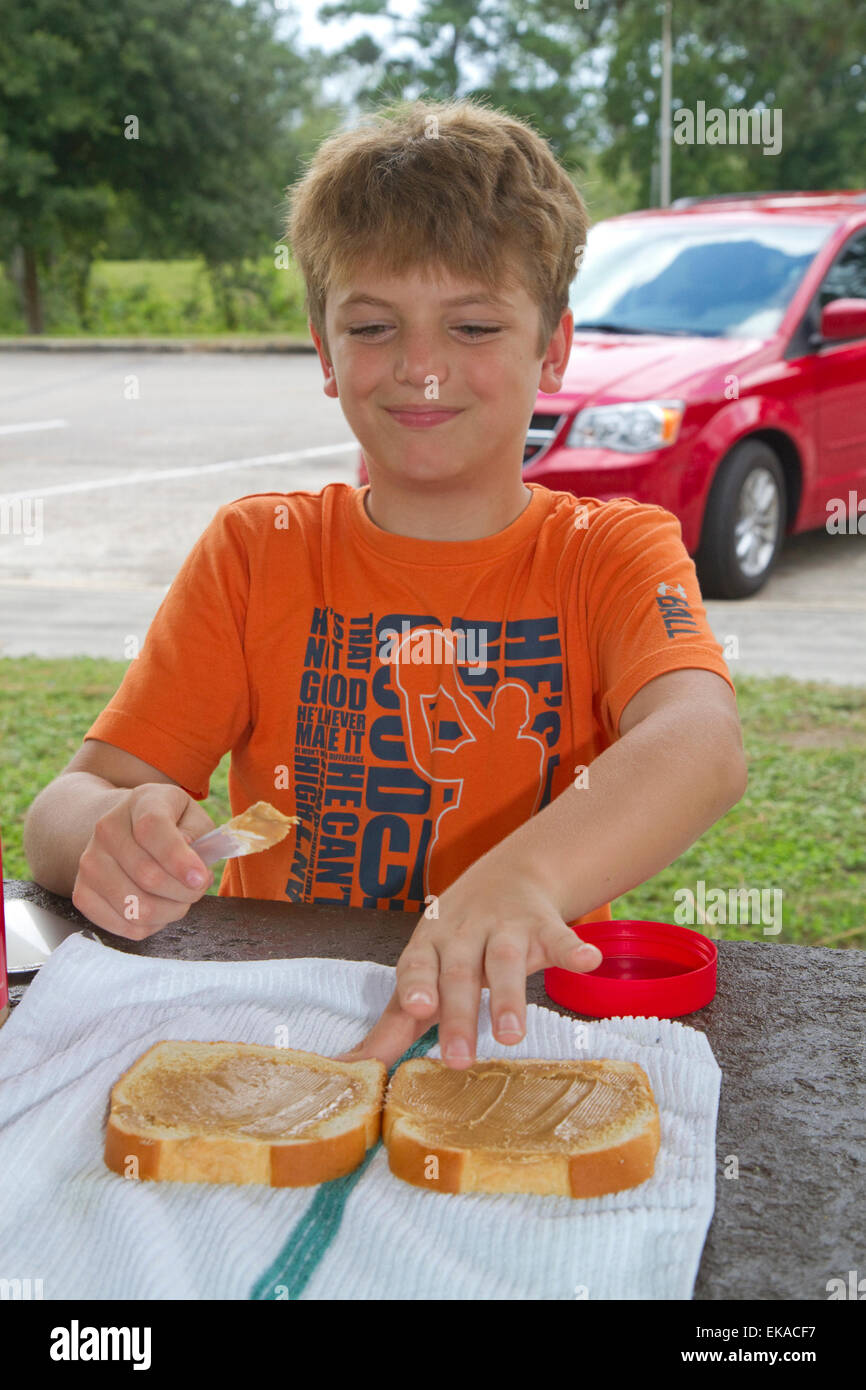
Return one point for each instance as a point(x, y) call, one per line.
point(474, 329)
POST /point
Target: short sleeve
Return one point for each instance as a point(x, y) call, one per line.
point(184, 701)
point(641, 604)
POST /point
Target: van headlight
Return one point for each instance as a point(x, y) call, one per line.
point(635, 427)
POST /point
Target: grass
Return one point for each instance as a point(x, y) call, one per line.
point(166, 299)
point(801, 825)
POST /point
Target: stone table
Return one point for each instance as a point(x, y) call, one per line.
point(786, 1027)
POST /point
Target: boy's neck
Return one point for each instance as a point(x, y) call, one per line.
point(458, 516)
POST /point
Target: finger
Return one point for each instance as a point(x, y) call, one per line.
point(389, 1037)
point(93, 905)
point(141, 912)
point(563, 947)
point(154, 825)
point(147, 876)
point(195, 822)
point(505, 970)
point(98, 910)
point(418, 977)
point(460, 999)
point(158, 835)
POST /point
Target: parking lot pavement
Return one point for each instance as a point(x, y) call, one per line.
point(809, 621)
point(132, 454)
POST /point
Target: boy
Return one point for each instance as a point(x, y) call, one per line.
point(463, 686)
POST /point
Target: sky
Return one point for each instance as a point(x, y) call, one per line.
point(338, 32)
point(301, 19)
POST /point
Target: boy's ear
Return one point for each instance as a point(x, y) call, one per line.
point(330, 378)
point(557, 355)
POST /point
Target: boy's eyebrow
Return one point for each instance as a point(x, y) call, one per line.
point(447, 303)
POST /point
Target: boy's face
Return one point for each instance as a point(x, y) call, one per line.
point(418, 350)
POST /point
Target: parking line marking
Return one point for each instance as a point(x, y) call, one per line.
point(163, 474)
point(34, 425)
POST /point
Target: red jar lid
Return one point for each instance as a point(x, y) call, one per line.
point(649, 970)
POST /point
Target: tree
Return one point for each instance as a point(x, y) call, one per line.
point(525, 58)
point(806, 58)
point(589, 79)
point(189, 113)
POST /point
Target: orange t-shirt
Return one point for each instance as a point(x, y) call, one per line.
point(412, 701)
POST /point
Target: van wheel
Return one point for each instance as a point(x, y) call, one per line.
point(744, 524)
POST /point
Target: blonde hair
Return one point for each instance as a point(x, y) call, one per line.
point(438, 183)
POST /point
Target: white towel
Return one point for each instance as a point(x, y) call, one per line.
point(86, 1232)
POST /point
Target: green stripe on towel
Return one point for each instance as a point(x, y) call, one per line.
point(288, 1275)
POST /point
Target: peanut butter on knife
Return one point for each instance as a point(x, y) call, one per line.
point(259, 827)
point(263, 821)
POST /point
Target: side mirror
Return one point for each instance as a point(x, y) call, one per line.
point(843, 318)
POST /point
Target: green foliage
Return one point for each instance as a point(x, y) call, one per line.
point(525, 58)
point(805, 57)
point(801, 825)
point(170, 299)
point(46, 706)
point(590, 80)
point(188, 118)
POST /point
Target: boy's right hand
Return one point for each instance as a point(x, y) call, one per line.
point(132, 874)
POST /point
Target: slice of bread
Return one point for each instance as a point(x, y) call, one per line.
point(243, 1113)
point(564, 1128)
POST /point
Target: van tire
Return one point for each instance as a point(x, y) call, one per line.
point(752, 467)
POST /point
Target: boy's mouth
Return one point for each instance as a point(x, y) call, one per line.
point(421, 417)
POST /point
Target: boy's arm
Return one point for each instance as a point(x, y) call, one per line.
point(59, 824)
point(677, 767)
point(60, 820)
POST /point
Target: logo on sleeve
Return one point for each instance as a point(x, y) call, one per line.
point(675, 611)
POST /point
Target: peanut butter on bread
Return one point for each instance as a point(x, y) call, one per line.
point(557, 1128)
point(495, 1105)
point(263, 1097)
point(231, 1112)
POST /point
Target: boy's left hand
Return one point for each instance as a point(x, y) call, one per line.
point(497, 924)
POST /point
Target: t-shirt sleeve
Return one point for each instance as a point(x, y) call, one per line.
point(642, 605)
point(184, 701)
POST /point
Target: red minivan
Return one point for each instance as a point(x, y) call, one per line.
point(718, 370)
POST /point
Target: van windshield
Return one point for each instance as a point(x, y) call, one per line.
point(707, 277)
